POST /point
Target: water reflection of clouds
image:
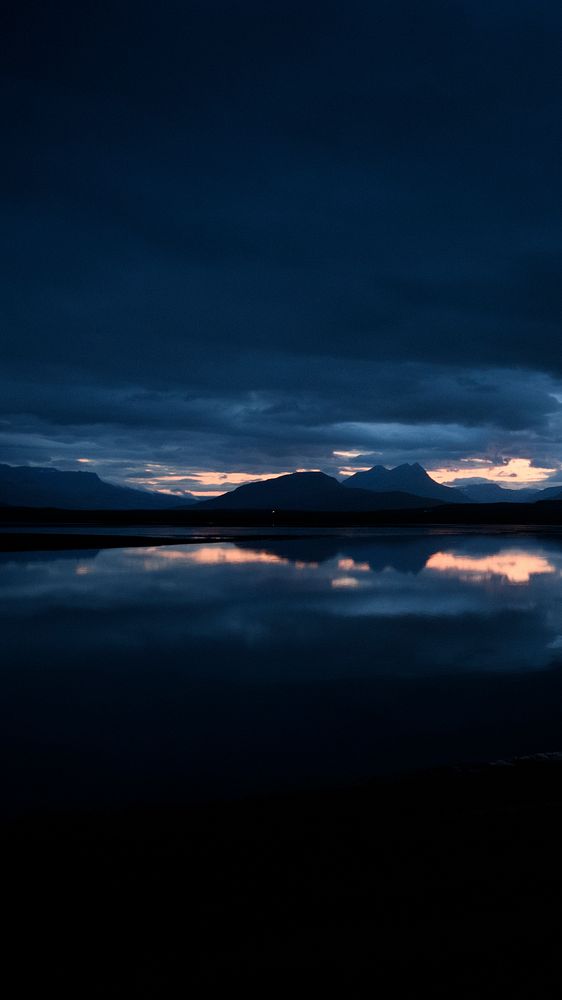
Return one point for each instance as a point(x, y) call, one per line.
point(344, 577)
point(338, 564)
point(252, 655)
point(377, 605)
point(350, 565)
point(207, 555)
point(514, 566)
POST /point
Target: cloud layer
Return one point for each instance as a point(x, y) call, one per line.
point(241, 238)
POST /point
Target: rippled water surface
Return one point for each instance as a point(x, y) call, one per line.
point(164, 673)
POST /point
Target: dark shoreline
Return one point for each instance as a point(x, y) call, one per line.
point(35, 529)
point(540, 514)
point(52, 540)
point(447, 881)
point(47, 541)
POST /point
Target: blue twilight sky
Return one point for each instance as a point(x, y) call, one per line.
point(242, 238)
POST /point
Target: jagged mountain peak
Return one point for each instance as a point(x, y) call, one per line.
point(408, 477)
point(311, 491)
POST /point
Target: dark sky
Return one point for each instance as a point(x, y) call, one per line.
point(242, 236)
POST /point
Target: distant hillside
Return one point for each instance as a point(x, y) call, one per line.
point(493, 493)
point(406, 478)
point(27, 486)
point(311, 491)
point(550, 493)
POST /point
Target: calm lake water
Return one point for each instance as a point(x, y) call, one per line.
point(142, 675)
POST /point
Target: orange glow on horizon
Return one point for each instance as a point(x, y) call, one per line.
point(516, 567)
point(517, 471)
point(231, 478)
point(350, 470)
point(204, 494)
point(159, 482)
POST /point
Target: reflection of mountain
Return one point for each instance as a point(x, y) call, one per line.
point(404, 554)
point(28, 486)
point(408, 555)
point(312, 551)
point(312, 491)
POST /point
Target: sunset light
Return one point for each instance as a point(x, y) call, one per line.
point(515, 472)
point(350, 565)
point(513, 566)
point(210, 555)
point(350, 470)
point(281, 497)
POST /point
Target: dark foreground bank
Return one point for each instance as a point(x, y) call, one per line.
point(447, 884)
point(542, 513)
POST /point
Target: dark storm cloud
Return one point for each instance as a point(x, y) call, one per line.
point(243, 235)
point(348, 391)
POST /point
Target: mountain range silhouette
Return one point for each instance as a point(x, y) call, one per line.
point(313, 491)
point(404, 487)
point(30, 486)
point(379, 488)
point(404, 478)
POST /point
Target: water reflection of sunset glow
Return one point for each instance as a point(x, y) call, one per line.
point(349, 565)
point(516, 567)
point(214, 555)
